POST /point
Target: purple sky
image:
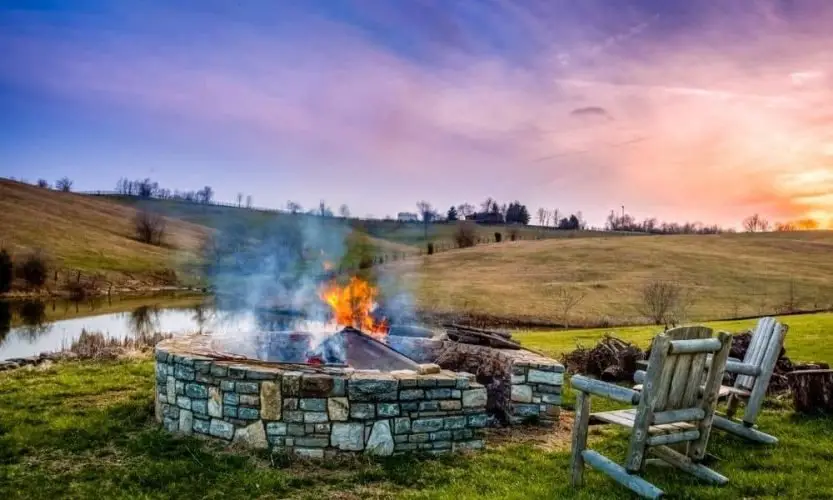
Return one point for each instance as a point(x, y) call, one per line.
point(687, 110)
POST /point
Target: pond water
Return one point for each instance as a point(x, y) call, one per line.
point(31, 327)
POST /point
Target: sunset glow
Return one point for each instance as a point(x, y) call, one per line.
point(680, 110)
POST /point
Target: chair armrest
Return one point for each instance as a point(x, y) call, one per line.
point(604, 389)
point(743, 368)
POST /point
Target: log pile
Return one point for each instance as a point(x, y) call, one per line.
point(612, 359)
point(477, 336)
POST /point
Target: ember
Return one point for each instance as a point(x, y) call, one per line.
point(353, 305)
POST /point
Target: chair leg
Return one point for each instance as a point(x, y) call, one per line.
point(684, 463)
point(732, 405)
point(618, 473)
point(580, 425)
point(738, 429)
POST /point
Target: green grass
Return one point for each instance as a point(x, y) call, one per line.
point(85, 430)
point(810, 337)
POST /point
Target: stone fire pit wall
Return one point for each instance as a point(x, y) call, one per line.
point(317, 412)
point(526, 385)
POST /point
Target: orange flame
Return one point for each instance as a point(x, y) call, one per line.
point(353, 305)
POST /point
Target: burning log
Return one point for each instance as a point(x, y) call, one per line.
point(612, 359)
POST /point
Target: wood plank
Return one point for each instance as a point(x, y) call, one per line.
point(686, 464)
point(709, 401)
point(694, 346)
point(696, 374)
point(626, 418)
point(580, 426)
point(676, 437)
point(664, 383)
point(680, 381)
point(616, 472)
point(645, 410)
point(756, 349)
point(674, 416)
point(758, 394)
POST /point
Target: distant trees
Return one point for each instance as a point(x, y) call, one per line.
point(516, 213)
point(426, 213)
point(799, 225)
point(205, 195)
point(64, 184)
point(543, 216)
point(43, 183)
point(33, 269)
point(344, 211)
point(465, 235)
point(451, 215)
point(324, 210)
point(239, 199)
point(6, 271)
point(464, 210)
point(294, 207)
point(149, 227)
point(755, 223)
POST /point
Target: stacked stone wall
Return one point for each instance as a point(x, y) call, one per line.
point(317, 413)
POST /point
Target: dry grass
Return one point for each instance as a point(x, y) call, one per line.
point(732, 275)
point(88, 233)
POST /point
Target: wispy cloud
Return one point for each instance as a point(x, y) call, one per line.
point(723, 115)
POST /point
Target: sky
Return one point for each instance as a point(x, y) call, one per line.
point(686, 110)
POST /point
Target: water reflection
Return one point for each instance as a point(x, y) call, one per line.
point(144, 320)
point(5, 320)
point(33, 315)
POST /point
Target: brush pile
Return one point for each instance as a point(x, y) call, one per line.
point(611, 359)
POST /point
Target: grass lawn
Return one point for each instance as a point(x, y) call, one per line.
point(810, 337)
point(85, 430)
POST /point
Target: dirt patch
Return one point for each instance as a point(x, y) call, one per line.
point(556, 438)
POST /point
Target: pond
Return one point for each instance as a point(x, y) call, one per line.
point(30, 327)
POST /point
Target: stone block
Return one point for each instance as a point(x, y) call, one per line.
point(518, 369)
point(339, 387)
point(171, 424)
point(170, 412)
point(161, 356)
point(548, 389)
point(521, 393)
point(406, 447)
point(219, 370)
point(252, 436)
point(291, 384)
point(525, 410)
point(250, 400)
point(248, 413)
point(438, 393)
point(221, 429)
point(231, 398)
point(311, 417)
point(442, 445)
point(229, 411)
point(446, 382)
point(518, 379)
point(373, 389)
point(456, 393)
point(427, 382)
point(455, 422)
point(204, 378)
point(170, 388)
point(316, 385)
point(554, 399)
point(296, 430)
point(440, 436)
point(321, 428)
point(183, 372)
point(402, 425)
point(186, 422)
point(247, 388)
point(408, 383)
point(199, 406)
point(276, 429)
point(362, 410)
point(427, 425)
point(412, 406)
point(183, 402)
point(237, 372)
point(338, 409)
point(474, 398)
point(293, 416)
point(202, 366)
point(462, 434)
point(291, 404)
point(276, 441)
point(215, 402)
point(261, 374)
point(387, 410)
point(196, 391)
point(308, 404)
point(312, 442)
point(227, 385)
point(411, 394)
point(429, 406)
point(402, 438)
point(270, 400)
point(451, 405)
point(545, 377)
point(347, 436)
point(381, 440)
point(310, 453)
point(478, 420)
point(180, 388)
point(201, 426)
point(418, 438)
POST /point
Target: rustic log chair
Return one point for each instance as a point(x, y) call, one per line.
point(673, 407)
point(753, 375)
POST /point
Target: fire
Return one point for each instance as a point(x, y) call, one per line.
point(353, 305)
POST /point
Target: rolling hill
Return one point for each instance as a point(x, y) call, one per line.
point(730, 275)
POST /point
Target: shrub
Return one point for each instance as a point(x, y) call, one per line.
point(150, 227)
point(430, 248)
point(465, 235)
point(498, 236)
point(33, 270)
point(6, 271)
point(513, 234)
point(659, 299)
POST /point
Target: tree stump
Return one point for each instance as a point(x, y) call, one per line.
point(812, 390)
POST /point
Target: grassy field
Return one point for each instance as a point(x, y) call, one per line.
point(810, 337)
point(730, 275)
point(88, 234)
point(85, 430)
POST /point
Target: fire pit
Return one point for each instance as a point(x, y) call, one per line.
point(315, 395)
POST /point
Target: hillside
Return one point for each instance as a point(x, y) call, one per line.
point(731, 275)
point(90, 234)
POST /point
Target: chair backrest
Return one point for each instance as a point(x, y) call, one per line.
point(763, 351)
point(681, 385)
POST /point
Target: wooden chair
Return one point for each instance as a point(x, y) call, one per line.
point(673, 407)
point(752, 381)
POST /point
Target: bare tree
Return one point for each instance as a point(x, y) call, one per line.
point(150, 227)
point(43, 183)
point(542, 216)
point(294, 207)
point(426, 213)
point(658, 300)
point(64, 184)
point(239, 199)
point(755, 223)
point(465, 209)
point(344, 211)
point(205, 195)
point(566, 300)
